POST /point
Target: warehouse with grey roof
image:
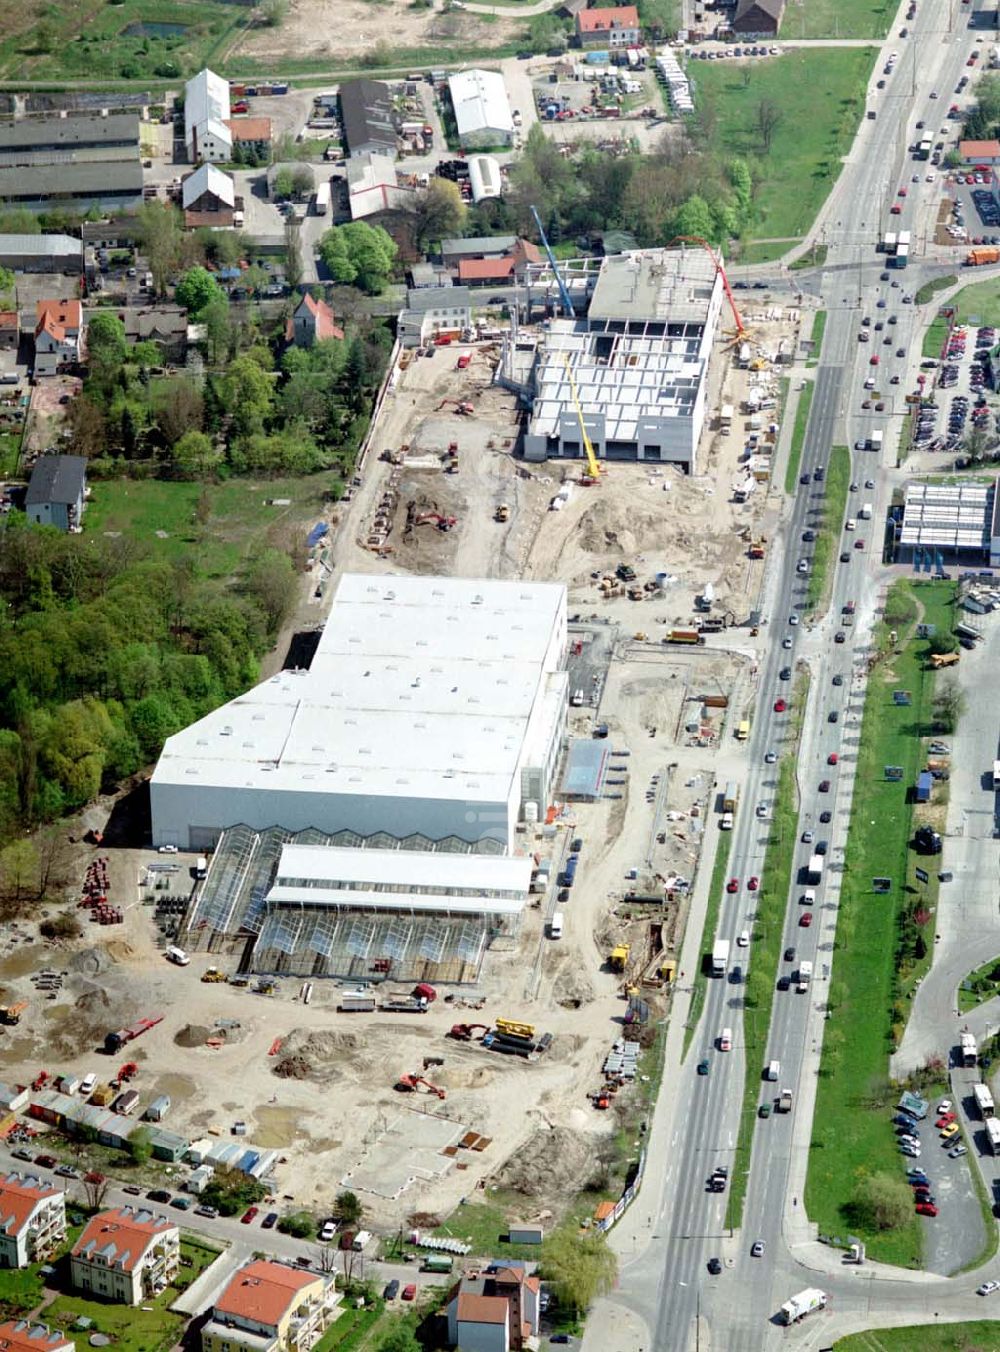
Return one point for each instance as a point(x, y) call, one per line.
point(87, 160)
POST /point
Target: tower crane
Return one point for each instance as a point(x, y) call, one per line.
point(697, 239)
point(593, 467)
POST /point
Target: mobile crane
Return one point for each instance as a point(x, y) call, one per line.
point(697, 239)
point(593, 475)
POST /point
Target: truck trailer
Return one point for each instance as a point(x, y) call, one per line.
point(814, 869)
point(356, 1002)
point(114, 1041)
point(720, 957)
point(806, 1302)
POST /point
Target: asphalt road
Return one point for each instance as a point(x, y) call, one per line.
point(683, 1305)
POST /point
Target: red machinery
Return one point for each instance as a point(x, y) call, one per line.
point(409, 1084)
point(462, 1032)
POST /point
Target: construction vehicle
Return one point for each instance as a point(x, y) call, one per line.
point(463, 1032)
point(128, 1072)
point(113, 1042)
point(977, 257)
point(502, 512)
point(509, 1028)
point(404, 1004)
point(409, 1084)
point(691, 636)
point(11, 1014)
point(462, 406)
point(593, 475)
point(756, 547)
point(212, 976)
point(564, 296)
point(40, 1081)
point(939, 660)
point(618, 958)
point(626, 572)
point(463, 361)
point(443, 523)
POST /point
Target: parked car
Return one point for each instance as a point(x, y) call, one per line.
point(208, 1211)
point(269, 1221)
point(410, 1292)
point(249, 1215)
point(391, 1291)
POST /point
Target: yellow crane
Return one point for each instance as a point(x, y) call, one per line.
point(593, 467)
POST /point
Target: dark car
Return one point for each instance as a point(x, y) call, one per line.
point(391, 1291)
point(789, 954)
point(577, 845)
point(182, 1203)
point(822, 846)
point(158, 1195)
point(563, 897)
point(715, 1266)
point(46, 1161)
point(269, 1221)
point(824, 786)
point(825, 817)
point(808, 536)
point(132, 1189)
point(784, 983)
point(833, 716)
point(702, 1067)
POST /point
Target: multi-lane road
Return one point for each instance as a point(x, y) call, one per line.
point(682, 1304)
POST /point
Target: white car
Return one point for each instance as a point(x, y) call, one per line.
point(988, 1288)
point(786, 642)
point(770, 757)
point(743, 939)
point(944, 1106)
point(726, 1040)
point(87, 1084)
point(793, 619)
point(328, 1231)
point(167, 849)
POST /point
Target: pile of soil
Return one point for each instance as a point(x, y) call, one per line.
point(312, 1055)
point(571, 988)
point(90, 961)
point(293, 1068)
point(192, 1035)
point(550, 1166)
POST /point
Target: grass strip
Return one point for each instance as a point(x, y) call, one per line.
point(935, 337)
point(700, 982)
point(818, 329)
point(852, 1134)
point(768, 938)
point(979, 1333)
point(838, 479)
point(979, 986)
point(798, 436)
point(931, 288)
point(815, 258)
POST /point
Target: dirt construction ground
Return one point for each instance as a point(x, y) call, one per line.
point(317, 1084)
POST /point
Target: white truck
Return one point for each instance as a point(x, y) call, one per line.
point(866, 512)
point(323, 198)
point(814, 869)
point(720, 957)
point(806, 1302)
point(805, 975)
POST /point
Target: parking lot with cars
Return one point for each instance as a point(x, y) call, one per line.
point(961, 399)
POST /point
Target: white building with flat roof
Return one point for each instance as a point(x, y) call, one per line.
point(638, 362)
point(482, 109)
point(954, 521)
point(433, 706)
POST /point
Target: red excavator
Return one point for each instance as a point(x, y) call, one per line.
point(461, 406)
point(462, 1032)
point(436, 519)
point(409, 1084)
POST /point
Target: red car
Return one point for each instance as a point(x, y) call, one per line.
point(926, 1209)
point(733, 885)
point(901, 193)
point(409, 1292)
point(833, 758)
point(248, 1215)
point(873, 359)
point(859, 544)
point(806, 919)
point(780, 706)
point(753, 884)
point(945, 1119)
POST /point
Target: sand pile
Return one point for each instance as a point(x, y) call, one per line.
point(549, 1166)
point(192, 1035)
point(607, 527)
point(571, 988)
point(307, 1054)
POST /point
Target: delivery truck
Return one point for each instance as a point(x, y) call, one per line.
point(720, 957)
point(805, 975)
point(814, 869)
point(806, 1302)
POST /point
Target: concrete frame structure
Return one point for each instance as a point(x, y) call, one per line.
point(433, 705)
point(639, 362)
point(32, 1220)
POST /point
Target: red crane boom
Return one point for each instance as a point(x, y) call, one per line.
point(697, 239)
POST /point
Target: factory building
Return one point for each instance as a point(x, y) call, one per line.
point(948, 523)
point(86, 160)
point(433, 706)
point(482, 109)
point(637, 364)
point(367, 118)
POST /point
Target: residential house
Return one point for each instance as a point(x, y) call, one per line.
point(251, 135)
point(125, 1255)
point(431, 311)
point(57, 491)
point(32, 1220)
point(10, 330)
point(208, 197)
point(165, 325)
point(495, 1312)
point(206, 117)
point(617, 26)
point(507, 270)
point(270, 1307)
point(58, 336)
point(312, 322)
point(758, 18)
point(476, 246)
point(980, 152)
point(26, 1335)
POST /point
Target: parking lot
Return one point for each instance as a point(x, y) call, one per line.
point(961, 400)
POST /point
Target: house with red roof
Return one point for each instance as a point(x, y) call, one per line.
point(27, 1335)
point(10, 330)
point(58, 335)
point(125, 1255)
point(617, 26)
point(505, 270)
point(312, 322)
point(495, 1312)
point(32, 1220)
point(271, 1307)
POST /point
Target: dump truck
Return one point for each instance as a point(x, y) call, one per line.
point(618, 958)
point(976, 258)
point(939, 660)
point(688, 636)
point(502, 513)
point(806, 1302)
point(783, 1103)
point(212, 976)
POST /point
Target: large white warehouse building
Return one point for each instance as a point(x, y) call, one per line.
point(433, 707)
point(482, 109)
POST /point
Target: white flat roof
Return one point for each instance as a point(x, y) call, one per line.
point(953, 516)
point(479, 98)
point(395, 868)
point(668, 284)
point(421, 687)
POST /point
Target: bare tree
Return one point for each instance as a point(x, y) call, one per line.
point(769, 119)
point(95, 1189)
point(326, 1258)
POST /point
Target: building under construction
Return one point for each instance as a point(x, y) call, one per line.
point(633, 370)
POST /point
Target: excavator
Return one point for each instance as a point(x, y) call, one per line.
point(462, 1032)
point(408, 1084)
point(462, 406)
point(443, 523)
point(11, 1014)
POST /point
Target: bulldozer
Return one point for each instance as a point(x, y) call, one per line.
point(513, 1029)
point(409, 1084)
point(502, 513)
point(212, 976)
point(11, 1014)
point(618, 957)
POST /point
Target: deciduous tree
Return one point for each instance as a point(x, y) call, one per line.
point(580, 1268)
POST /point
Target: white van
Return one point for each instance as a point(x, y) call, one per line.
point(850, 523)
point(178, 956)
point(87, 1085)
point(808, 897)
point(556, 925)
point(726, 1040)
point(773, 1070)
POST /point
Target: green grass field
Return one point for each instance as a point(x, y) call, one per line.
point(762, 975)
point(934, 338)
point(981, 1336)
point(978, 303)
point(931, 288)
point(852, 1135)
point(798, 436)
point(815, 258)
point(828, 533)
point(818, 329)
point(820, 96)
point(830, 19)
point(236, 519)
point(979, 986)
point(86, 39)
point(20, 1290)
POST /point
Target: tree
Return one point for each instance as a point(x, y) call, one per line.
point(140, 1146)
point(95, 1189)
point(88, 426)
point(941, 642)
point(246, 393)
point(949, 705)
point(283, 183)
point(160, 230)
point(219, 331)
point(300, 1224)
point(106, 346)
point(400, 1338)
point(8, 283)
point(880, 1202)
point(359, 253)
point(438, 212)
point(196, 290)
point(293, 255)
point(347, 1208)
point(694, 217)
point(270, 579)
point(179, 409)
point(768, 118)
point(978, 442)
point(303, 181)
point(580, 1268)
point(274, 12)
point(194, 456)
